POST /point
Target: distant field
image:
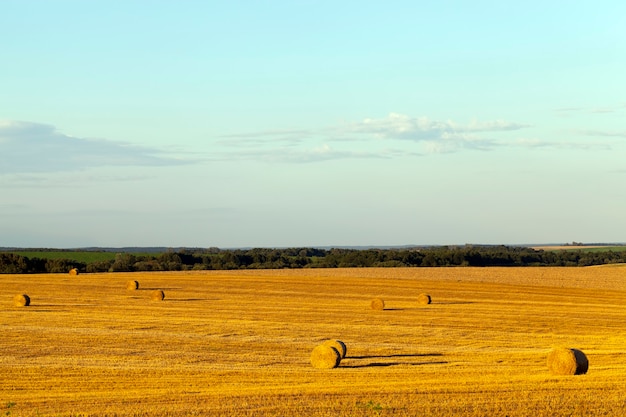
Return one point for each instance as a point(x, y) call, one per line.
point(604, 248)
point(238, 343)
point(585, 248)
point(79, 256)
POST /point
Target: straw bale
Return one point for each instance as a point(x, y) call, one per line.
point(21, 300)
point(566, 361)
point(157, 295)
point(73, 271)
point(132, 285)
point(377, 304)
point(325, 357)
point(339, 345)
point(423, 299)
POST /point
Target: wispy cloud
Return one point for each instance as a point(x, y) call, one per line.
point(67, 180)
point(321, 153)
point(604, 133)
point(398, 135)
point(368, 138)
point(566, 111)
point(438, 136)
point(400, 126)
point(27, 147)
point(533, 143)
point(256, 138)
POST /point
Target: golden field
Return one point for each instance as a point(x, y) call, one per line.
point(238, 343)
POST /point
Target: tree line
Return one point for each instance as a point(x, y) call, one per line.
point(260, 258)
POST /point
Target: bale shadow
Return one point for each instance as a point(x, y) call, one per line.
point(42, 305)
point(395, 363)
point(159, 288)
point(46, 308)
point(386, 364)
point(396, 355)
point(455, 302)
point(36, 309)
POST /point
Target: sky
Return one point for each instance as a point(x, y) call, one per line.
point(311, 123)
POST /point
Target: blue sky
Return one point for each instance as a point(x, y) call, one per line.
point(311, 123)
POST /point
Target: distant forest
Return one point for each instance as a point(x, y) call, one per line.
point(259, 258)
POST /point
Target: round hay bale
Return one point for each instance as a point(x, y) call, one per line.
point(566, 361)
point(132, 285)
point(21, 300)
point(339, 345)
point(325, 357)
point(73, 271)
point(377, 304)
point(157, 295)
point(423, 299)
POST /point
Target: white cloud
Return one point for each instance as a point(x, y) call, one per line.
point(449, 136)
point(399, 126)
point(437, 136)
point(363, 137)
point(27, 147)
point(394, 136)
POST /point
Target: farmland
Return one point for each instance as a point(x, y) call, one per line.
point(238, 343)
point(582, 248)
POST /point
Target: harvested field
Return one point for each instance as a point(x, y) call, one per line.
point(239, 343)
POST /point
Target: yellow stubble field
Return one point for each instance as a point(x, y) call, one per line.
point(238, 343)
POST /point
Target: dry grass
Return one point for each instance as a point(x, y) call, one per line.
point(238, 343)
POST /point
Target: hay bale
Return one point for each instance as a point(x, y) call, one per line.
point(566, 361)
point(157, 295)
point(377, 304)
point(325, 357)
point(132, 285)
point(339, 345)
point(423, 299)
point(73, 271)
point(21, 300)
